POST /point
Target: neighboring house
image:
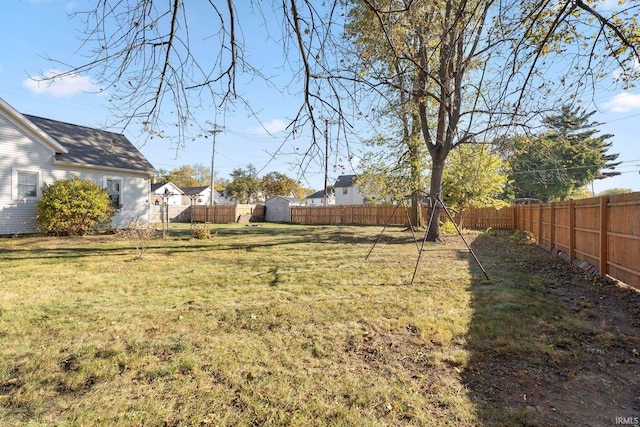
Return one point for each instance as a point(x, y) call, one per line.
point(347, 191)
point(221, 199)
point(202, 196)
point(166, 192)
point(197, 195)
point(37, 151)
point(278, 208)
point(317, 199)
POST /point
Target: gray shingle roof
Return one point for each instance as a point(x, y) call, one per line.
point(93, 147)
point(317, 195)
point(192, 191)
point(292, 199)
point(157, 185)
point(345, 181)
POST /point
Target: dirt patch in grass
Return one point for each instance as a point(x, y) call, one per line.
point(582, 364)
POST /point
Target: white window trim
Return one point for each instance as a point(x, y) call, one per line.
point(113, 177)
point(14, 183)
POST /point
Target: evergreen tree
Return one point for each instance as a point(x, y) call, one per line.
point(567, 156)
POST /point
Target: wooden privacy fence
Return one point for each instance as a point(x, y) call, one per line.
point(603, 231)
point(348, 214)
point(482, 218)
point(359, 215)
point(222, 214)
point(381, 214)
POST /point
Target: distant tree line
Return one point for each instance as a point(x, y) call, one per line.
point(244, 185)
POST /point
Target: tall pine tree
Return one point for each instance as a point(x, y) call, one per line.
point(567, 156)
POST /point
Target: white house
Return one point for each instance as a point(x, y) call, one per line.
point(36, 151)
point(166, 192)
point(317, 199)
point(202, 196)
point(278, 208)
point(196, 195)
point(347, 191)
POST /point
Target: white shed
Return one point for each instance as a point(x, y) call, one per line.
point(278, 208)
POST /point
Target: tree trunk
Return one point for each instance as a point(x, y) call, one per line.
point(416, 211)
point(416, 175)
point(434, 194)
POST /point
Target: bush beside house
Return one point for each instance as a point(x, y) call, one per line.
point(73, 207)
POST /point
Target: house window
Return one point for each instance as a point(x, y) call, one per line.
point(345, 190)
point(114, 188)
point(27, 185)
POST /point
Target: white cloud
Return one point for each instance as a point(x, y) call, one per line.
point(623, 102)
point(619, 75)
point(274, 126)
point(60, 87)
point(69, 6)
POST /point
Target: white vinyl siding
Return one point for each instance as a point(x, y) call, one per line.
point(22, 152)
point(349, 196)
point(172, 195)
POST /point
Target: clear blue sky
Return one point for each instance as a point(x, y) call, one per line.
point(31, 30)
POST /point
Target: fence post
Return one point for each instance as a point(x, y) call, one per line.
point(603, 235)
point(552, 225)
point(572, 229)
point(540, 223)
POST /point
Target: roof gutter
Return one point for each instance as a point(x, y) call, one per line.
point(105, 168)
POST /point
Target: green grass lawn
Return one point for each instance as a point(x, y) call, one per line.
point(273, 325)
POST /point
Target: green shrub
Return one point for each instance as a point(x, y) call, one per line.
point(492, 232)
point(522, 235)
point(73, 207)
point(448, 227)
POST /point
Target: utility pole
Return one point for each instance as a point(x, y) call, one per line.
point(326, 160)
point(214, 131)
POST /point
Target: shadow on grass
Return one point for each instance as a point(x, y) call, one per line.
point(535, 361)
point(349, 234)
point(230, 237)
point(250, 238)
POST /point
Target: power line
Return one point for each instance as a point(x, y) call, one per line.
point(621, 118)
point(571, 168)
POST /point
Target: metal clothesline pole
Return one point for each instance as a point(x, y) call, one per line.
point(436, 201)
